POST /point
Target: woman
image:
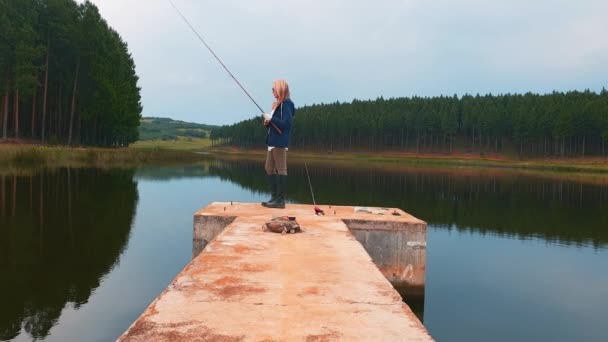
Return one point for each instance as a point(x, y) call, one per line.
point(277, 139)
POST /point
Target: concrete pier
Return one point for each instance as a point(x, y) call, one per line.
point(319, 285)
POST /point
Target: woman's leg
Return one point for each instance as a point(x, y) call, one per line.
point(270, 165)
point(279, 156)
point(280, 160)
point(272, 177)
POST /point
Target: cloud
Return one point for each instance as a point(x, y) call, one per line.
point(339, 50)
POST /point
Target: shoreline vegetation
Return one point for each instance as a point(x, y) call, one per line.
point(456, 160)
point(13, 156)
point(26, 155)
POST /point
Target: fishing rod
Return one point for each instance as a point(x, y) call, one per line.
point(219, 60)
point(318, 210)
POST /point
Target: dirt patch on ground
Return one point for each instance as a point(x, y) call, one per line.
point(228, 266)
point(254, 268)
point(149, 331)
point(330, 336)
point(388, 293)
point(244, 249)
point(152, 310)
point(227, 280)
point(231, 291)
point(311, 291)
point(140, 328)
point(212, 260)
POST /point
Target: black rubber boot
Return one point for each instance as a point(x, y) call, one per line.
point(272, 179)
point(282, 186)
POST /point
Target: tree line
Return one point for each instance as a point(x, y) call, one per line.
point(558, 124)
point(53, 252)
point(65, 75)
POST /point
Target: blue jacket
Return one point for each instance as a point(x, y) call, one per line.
point(283, 119)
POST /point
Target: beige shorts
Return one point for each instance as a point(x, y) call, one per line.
point(276, 161)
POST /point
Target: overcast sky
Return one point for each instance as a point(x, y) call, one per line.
point(337, 50)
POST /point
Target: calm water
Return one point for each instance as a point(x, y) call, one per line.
point(509, 256)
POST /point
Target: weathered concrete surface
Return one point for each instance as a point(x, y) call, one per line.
point(251, 285)
point(399, 253)
point(205, 229)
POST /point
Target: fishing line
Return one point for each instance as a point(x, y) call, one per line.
point(214, 55)
point(234, 78)
point(310, 184)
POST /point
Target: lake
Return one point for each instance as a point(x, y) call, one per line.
point(511, 255)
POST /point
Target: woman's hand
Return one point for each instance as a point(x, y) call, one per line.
point(267, 118)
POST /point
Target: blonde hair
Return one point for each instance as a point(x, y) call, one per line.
point(282, 89)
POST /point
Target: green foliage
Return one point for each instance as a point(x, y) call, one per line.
point(53, 141)
point(168, 129)
point(558, 124)
point(92, 92)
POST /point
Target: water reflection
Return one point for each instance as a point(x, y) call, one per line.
point(60, 233)
point(494, 202)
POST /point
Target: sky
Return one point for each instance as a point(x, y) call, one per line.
point(339, 50)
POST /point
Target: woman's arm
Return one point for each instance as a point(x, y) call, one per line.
point(285, 123)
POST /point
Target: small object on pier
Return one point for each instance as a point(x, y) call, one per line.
point(224, 208)
point(378, 211)
point(283, 225)
point(319, 211)
point(230, 202)
point(334, 212)
point(395, 213)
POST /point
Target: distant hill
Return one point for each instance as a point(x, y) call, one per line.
point(152, 128)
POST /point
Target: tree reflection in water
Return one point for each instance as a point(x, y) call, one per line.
point(500, 202)
point(61, 232)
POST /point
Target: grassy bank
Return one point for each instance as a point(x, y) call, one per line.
point(43, 156)
point(180, 144)
point(587, 165)
point(171, 152)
